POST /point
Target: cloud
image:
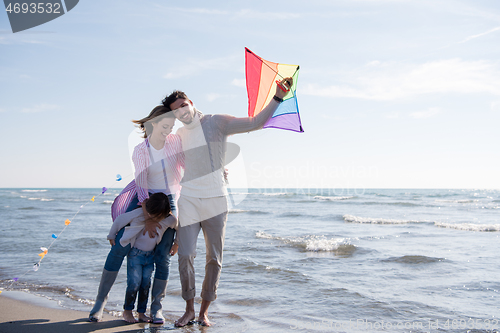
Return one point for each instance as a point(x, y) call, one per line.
point(431, 112)
point(395, 81)
point(40, 108)
point(239, 83)
point(479, 35)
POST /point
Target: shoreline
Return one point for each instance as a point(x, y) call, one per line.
point(21, 312)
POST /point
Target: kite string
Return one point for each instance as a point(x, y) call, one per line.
point(67, 222)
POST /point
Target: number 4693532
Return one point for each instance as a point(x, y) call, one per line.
point(34, 8)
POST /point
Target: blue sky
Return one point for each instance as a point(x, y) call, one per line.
point(392, 94)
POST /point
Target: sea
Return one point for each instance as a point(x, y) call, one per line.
point(309, 260)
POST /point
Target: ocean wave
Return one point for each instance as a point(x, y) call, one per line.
point(403, 204)
point(283, 194)
point(313, 243)
point(236, 211)
point(458, 201)
point(490, 206)
point(241, 193)
point(108, 202)
point(442, 195)
point(415, 259)
point(324, 198)
point(369, 220)
point(44, 199)
point(296, 215)
point(9, 284)
point(250, 265)
point(33, 190)
point(469, 226)
point(249, 301)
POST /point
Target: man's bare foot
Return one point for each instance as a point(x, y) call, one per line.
point(129, 317)
point(185, 319)
point(143, 318)
point(203, 321)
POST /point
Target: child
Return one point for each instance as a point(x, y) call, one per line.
point(140, 260)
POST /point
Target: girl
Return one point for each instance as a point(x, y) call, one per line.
point(140, 259)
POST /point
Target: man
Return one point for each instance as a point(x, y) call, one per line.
point(203, 200)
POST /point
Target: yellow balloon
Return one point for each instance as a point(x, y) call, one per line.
point(67, 222)
point(92, 199)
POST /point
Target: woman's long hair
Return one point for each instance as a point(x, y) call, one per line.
point(157, 114)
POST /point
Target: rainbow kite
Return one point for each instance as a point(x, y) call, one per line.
point(261, 77)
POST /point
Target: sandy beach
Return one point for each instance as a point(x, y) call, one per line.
point(21, 312)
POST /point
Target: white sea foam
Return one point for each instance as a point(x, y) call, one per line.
point(324, 244)
point(34, 198)
point(284, 194)
point(369, 220)
point(262, 234)
point(108, 201)
point(34, 191)
point(319, 197)
point(44, 199)
point(238, 211)
point(469, 226)
point(241, 193)
point(310, 242)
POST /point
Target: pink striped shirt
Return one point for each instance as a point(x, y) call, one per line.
point(174, 161)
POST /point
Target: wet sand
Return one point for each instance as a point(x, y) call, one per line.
point(20, 313)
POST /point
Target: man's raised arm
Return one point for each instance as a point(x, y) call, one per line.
point(248, 124)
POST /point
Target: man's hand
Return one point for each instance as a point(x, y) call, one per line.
point(174, 249)
point(286, 82)
point(150, 227)
point(112, 242)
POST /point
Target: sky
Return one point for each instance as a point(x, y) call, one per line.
point(391, 93)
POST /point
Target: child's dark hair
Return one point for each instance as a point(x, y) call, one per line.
point(158, 206)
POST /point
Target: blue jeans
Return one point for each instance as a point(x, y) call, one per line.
point(140, 265)
point(162, 251)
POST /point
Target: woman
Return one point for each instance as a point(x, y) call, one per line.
point(157, 161)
